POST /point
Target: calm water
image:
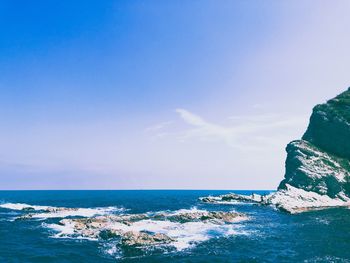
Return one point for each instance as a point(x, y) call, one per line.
point(270, 236)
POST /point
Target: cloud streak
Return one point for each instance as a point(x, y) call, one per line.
point(158, 127)
point(248, 131)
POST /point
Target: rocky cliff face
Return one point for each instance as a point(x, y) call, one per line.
point(318, 166)
point(313, 169)
point(320, 162)
point(329, 127)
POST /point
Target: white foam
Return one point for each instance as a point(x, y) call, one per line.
point(81, 212)
point(112, 249)
point(61, 212)
point(296, 200)
point(233, 202)
point(21, 206)
point(185, 234)
point(184, 211)
point(65, 231)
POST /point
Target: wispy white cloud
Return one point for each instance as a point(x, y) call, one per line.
point(158, 126)
point(246, 131)
point(205, 130)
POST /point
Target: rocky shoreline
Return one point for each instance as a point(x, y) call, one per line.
point(291, 200)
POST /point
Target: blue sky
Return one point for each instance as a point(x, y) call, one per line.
point(162, 94)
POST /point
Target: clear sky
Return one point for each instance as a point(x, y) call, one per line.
point(162, 94)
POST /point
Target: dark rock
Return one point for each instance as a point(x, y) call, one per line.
point(28, 209)
point(132, 238)
point(329, 127)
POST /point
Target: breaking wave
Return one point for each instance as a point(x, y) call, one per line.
point(44, 212)
point(183, 235)
point(174, 230)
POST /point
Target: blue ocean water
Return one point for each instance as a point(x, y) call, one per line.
point(269, 235)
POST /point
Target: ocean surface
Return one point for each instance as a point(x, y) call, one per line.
point(268, 235)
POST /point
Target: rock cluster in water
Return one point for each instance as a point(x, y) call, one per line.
point(317, 166)
point(163, 231)
point(123, 226)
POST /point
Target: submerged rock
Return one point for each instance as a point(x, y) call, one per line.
point(28, 208)
point(25, 217)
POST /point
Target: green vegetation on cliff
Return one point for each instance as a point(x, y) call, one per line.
point(329, 127)
point(339, 106)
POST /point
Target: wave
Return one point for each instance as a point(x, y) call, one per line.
point(22, 206)
point(79, 212)
point(233, 202)
point(43, 212)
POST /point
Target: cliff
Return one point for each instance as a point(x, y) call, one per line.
point(317, 172)
point(320, 162)
point(329, 127)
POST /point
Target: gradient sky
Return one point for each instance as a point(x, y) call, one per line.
point(162, 94)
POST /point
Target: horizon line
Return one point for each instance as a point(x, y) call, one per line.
point(159, 189)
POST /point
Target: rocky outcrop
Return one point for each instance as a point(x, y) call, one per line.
point(319, 164)
point(137, 239)
point(232, 198)
point(295, 200)
point(213, 217)
point(312, 169)
point(317, 167)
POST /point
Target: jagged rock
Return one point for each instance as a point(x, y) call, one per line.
point(109, 233)
point(226, 217)
point(220, 217)
point(132, 238)
point(59, 209)
point(312, 169)
point(231, 197)
point(25, 217)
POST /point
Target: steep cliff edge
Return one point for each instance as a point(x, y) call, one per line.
point(320, 162)
point(317, 172)
point(329, 127)
point(312, 169)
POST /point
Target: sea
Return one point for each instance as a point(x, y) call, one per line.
point(267, 236)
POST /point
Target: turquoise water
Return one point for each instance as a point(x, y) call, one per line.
point(269, 235)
